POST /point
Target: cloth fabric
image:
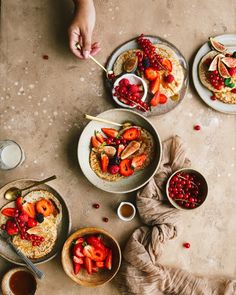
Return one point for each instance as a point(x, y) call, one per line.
point(141, 272)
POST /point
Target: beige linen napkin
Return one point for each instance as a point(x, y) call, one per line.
point(140, 272)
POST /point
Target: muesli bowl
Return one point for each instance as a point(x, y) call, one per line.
point(121, 184)
point(187, 189)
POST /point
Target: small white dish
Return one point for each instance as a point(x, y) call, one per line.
point(133, 79)
point(121, 215)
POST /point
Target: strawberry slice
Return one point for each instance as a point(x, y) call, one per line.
point(99, 136)
point(31, 222)
point(155, 85)
point(138, 161)
point(163, 98)
point(120, 149)
point(95, 143)
point(78, 250)
point(79, 240)
point(110, 132)
point(125, 168)
point(19, 203)
point(95, 254)
point(108, 262)
point(95, 242)
point(78, 260)
point(100, 264)
point(155, 100)
point(104, 162)
point(88, 265)
point(167, 64)
point(150, 74)
point(29, 209)
point(11, 228)
point(76, 267)
point(9, 212)
point(131, 134)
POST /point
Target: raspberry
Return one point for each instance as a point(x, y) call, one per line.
point(169, 78)
point(113, 169)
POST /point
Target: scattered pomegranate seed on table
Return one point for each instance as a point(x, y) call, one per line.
point(105, 219)
point(96, 206)
point(197, 127)
point(186, 245)
point(45, 56)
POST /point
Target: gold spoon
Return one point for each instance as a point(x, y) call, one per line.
point(13, 192)
point(97, 62)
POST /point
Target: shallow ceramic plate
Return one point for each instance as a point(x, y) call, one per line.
point(124, 185)
point(63, 229)
point(230, 42)
point(132, 44)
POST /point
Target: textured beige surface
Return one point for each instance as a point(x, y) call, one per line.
point(42, 103)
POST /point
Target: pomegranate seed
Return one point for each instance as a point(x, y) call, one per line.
point(213, 97)
point(105, 219)
point(186, 245)
point(96, 206)
point(45, 56)
point(197, 127)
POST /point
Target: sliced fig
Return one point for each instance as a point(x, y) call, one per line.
point(131, 148)
point(130, 64)
point(223, 70)
point(217, 45)
point(214, 63)
point(229, 62)
point(110, 151)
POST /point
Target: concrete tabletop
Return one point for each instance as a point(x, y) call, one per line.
point(42, 102)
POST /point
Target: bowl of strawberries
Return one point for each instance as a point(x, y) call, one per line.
point(91, 257)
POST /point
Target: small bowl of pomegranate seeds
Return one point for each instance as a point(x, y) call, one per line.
point(186, 189)
point(130, 91)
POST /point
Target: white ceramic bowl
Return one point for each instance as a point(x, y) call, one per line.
point(134, 79)
point(139, 178)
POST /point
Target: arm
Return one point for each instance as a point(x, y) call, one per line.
point(81, 29)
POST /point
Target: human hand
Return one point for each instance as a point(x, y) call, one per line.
point(81, 29)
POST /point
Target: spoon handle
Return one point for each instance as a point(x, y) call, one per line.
point(30, 264)
point(102, 120)
point(40, 182)
point(96, 61)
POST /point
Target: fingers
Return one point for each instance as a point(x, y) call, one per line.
point(86, 44)
point(74, 38)
point(95, 48)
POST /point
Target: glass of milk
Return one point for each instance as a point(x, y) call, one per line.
point(11, 155)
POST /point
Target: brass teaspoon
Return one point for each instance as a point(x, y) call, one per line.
point(12, 193)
